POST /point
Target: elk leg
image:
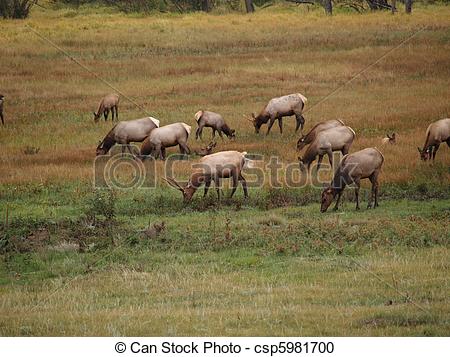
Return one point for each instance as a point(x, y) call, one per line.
point(330, 158)
point(345, 149)
point(374, 194)
point(300, 121)
point(207, 184)
point(357, 183)
point(235, 183)
point(272, 120)
point(3, 122)
point(117, 112)
point(106, 114)
point(319, 161)
point(448, 140)
point(336, 206)
point(244, 185)
point(280, 124)
point(436, 147)
point(162, 151)
point(198, 133)
point(213, 133)
point(217, 185)
point(220, 133)
point(184, 149)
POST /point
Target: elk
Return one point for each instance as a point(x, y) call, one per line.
point(2, 98)
point(437, 133)
point(108, 103)
point(334, 139)
point(125, 132)
point(309, 138)
point(277, 108)
point(223, 164)
point(206, 150)
point(351, 170)
point(389, 139)
point(215, 121)
point(161, 138)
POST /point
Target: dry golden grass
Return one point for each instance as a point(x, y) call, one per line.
point(231, 64)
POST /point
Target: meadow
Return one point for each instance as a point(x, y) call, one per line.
point(80, 261)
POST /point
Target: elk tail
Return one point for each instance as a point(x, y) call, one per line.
point(303, 98)
point(187, 128)
point(156, 121)
point(198, 115)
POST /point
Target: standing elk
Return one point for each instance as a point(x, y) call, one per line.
point(326, 142)
point(161, 138)
point(223, 164)
point(309, 138)
point(2, 98)
point(277, 108)
point(125, 132)
point(208, 150)
point(108, 103)
point(351, 170)
point(437, 133)
point(389, 139)
point(215, 121)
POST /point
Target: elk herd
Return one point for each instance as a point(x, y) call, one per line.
point(324, 138)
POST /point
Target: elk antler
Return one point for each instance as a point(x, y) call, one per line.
point(173, 183)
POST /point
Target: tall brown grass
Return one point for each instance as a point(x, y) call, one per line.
point(232, 64)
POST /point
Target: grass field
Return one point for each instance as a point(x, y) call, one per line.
point(76, 261)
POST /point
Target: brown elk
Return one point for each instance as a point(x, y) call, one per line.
point(126, 132)
point(2, 98)
point(215, 121)
point(108, 103)
point(224, 164)
point(351, 170)
point(309, 138)
point(277, 108)
point(208, 150)
point(161, 138)
point(437, 133)
point(326, 142)
point(389, 139)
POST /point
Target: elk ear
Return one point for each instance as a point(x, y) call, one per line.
point(253, 116)
point(173, 183)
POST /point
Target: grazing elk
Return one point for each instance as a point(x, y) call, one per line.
point(437, 133)
point(223, 164)
point(351, 170)
point(125, 132)
point(215, 121)
point(208, 150)
point(161, 138)
point(277, 108)
point(389, 139)
point(2, 98)
point(334, 139)
point(108, 103)
point(309, 138)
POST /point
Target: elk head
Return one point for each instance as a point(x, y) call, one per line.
point(254, 121)
point(100, 149)
point(188, 190)
point(391, 138)
point(96, 117)
point(327, 197)
point(425, 154)
point(301, 143)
